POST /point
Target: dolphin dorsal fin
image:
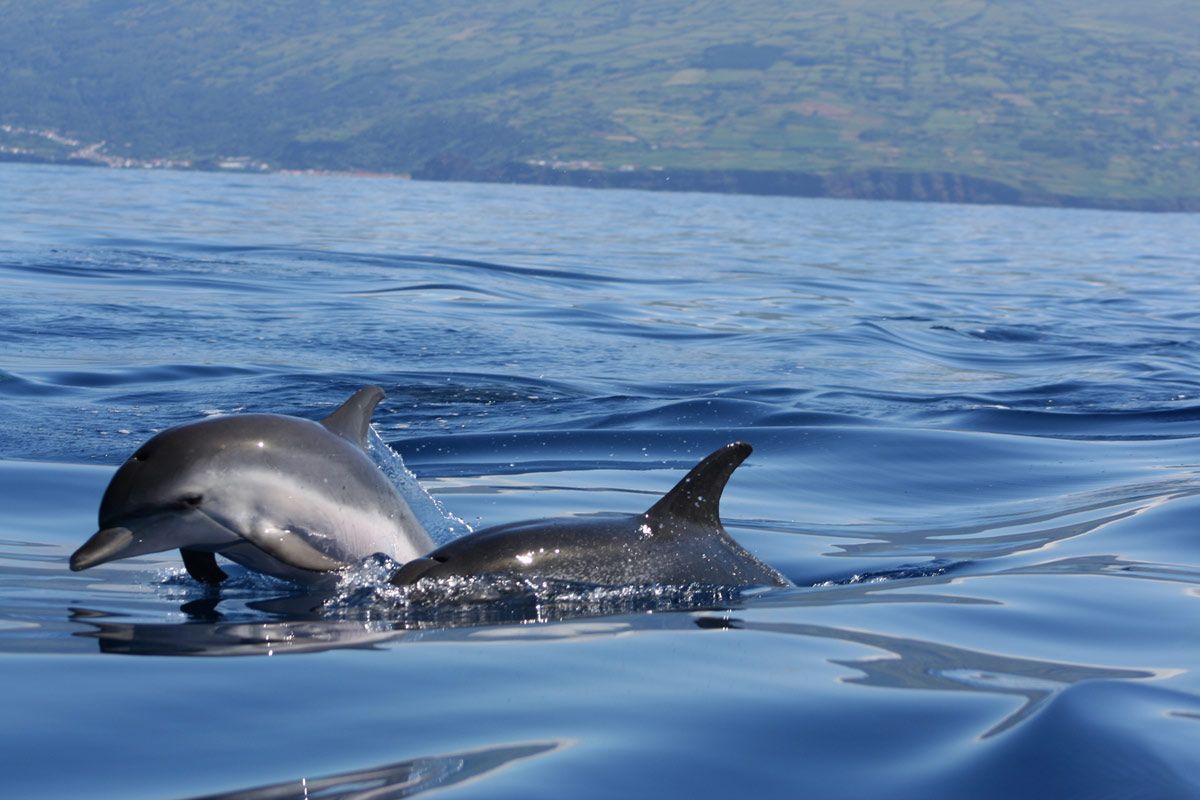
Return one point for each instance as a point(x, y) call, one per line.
point(697, 498)
point(353, 417)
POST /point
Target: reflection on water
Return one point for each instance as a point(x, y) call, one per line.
point(994, 537)
point(912, 663)
point(305, 622)
point(402, 779)
point(1115, 566)
point(939, 667)
point(233, 638)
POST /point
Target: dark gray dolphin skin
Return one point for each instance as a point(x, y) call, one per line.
point(282, 495)
point(679, 541)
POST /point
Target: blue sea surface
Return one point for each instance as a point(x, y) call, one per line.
point(977, 456)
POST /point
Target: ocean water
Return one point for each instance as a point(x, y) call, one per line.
point(977, 456)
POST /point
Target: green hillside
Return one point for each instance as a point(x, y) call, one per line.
point(1098, 99)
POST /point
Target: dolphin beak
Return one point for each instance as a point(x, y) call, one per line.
point(104, 546)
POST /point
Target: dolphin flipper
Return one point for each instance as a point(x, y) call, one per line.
point(352, 418)
point(202, 566)
point(697, 498)
point(290, 547)
point(412, 571)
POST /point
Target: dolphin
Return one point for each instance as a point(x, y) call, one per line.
point(281, 495)
point(678, 541)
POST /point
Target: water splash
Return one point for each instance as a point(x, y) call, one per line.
point(442, 525)
point(364, 592)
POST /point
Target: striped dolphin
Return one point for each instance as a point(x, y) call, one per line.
point(281, 495)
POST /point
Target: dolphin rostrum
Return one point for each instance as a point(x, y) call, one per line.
point(679, 541)
point(282, 495)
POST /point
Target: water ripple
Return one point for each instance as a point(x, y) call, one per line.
point(975, 456)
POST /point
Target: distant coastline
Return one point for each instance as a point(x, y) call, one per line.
point(869, 184)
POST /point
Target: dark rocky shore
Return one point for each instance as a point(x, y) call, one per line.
point(874, 184)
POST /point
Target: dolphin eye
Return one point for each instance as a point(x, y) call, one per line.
point(140, 455)
point(192, 500)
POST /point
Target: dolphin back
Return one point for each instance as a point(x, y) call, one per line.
point(678, 541)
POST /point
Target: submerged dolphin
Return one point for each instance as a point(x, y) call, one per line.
point(281, 495)
point(679, 541)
